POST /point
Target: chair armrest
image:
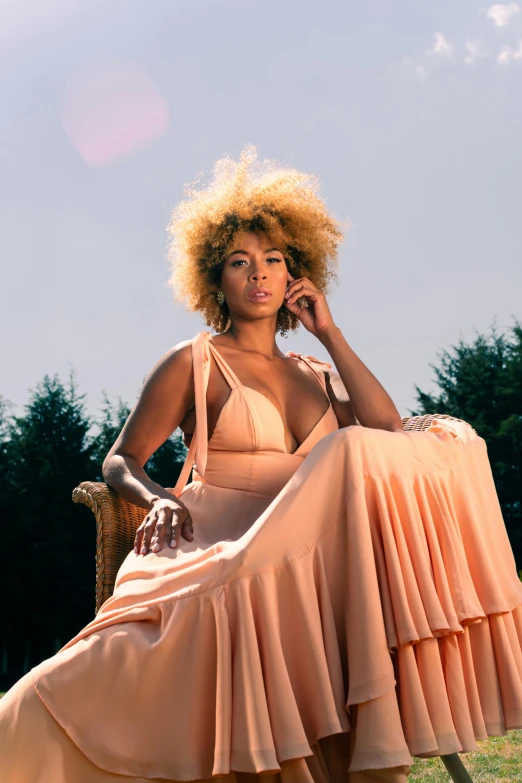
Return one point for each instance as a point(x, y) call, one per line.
point(116, 523)
point(411, 423)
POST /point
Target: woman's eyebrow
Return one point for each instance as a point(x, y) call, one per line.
point(270, 250)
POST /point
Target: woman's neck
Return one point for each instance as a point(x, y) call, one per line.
point(253, 337)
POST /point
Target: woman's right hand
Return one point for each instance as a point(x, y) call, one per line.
point(166, 521)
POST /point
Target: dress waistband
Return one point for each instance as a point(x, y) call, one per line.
point(261, 472)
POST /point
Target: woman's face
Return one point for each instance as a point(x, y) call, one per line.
point(253, 264)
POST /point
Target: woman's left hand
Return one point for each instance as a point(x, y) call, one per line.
point(317, 317)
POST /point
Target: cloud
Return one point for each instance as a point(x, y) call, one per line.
point(440, 46)
point(501, 14)
point(507, 54)
point(474, 51)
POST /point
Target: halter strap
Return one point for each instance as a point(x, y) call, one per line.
point(198, 451)
point(316, 365)
point(227, 371)
point(197, 454)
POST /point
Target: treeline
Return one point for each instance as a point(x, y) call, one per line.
point(481, 383)
point(47, 578)
point(48, 543)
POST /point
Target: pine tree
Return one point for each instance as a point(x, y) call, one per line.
point(49, 563)
point(482, 384)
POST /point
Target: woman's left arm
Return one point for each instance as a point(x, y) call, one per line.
point(367, 399)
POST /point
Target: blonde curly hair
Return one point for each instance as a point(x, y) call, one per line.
point(266, 198)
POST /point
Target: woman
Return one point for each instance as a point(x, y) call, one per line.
point(328, 596)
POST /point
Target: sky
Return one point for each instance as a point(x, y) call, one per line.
point(409, 114)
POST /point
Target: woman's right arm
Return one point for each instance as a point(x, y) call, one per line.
point(166, 397)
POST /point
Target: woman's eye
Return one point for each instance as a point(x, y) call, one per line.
point(242, 260)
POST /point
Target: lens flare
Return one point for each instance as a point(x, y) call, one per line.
point(111, 109)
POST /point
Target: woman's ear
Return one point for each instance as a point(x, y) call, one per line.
point(214, 287)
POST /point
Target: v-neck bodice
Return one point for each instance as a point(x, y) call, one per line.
point(247, 449)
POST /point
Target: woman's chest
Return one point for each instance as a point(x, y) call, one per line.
point(246, 418)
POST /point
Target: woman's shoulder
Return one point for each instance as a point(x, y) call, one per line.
point(174, 362)
point(318, 363)
point(182, 351)
point(334, 386)
point(179, 358)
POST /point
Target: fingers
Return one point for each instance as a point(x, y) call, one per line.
point(138, 538)
point(183, 526)
point(187, 529)
point(162, 524)
point(296, 292)
point(298, 288)
point(150, 535)
point(148, 529)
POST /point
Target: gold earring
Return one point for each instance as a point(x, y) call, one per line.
point(220, 296)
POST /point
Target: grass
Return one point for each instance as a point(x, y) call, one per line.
point(497, 759)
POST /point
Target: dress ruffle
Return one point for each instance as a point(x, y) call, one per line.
point(393, 590)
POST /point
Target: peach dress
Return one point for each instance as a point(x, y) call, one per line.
point(340, 610)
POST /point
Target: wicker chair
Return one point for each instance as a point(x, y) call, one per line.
point(116, 523)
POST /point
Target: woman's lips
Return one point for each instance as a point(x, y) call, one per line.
point(261, 297)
